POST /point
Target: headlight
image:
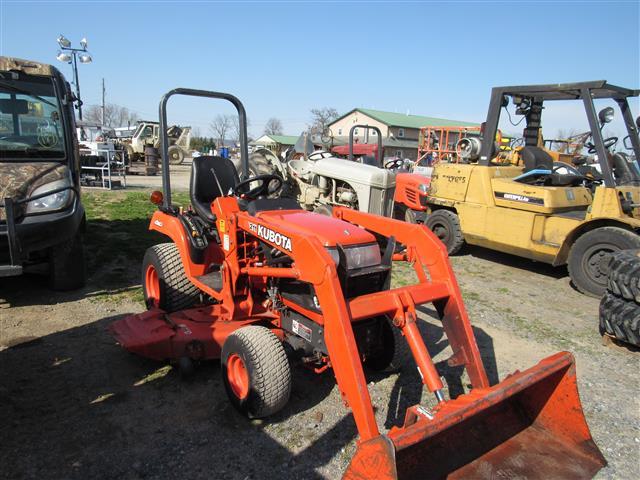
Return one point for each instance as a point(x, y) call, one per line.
point(55, 201)
point(424, 188)
point(362, 256)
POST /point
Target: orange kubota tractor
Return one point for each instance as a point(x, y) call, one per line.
point(410, 197)
point(273, 275)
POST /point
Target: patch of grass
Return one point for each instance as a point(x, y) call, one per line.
point(503, 290)
point(118, 234)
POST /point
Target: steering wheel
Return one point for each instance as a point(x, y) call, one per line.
point(607, 142)
point(394, 163)
point(264, 188)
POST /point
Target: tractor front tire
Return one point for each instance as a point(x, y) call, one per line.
point(394, 350)
point(404, 213)
point(620, 318)
point(176, 155)
point(256, 371)
point(164, 282)
point(67, 270)
point(624, 275)
point(590, 256)
point(446, 225)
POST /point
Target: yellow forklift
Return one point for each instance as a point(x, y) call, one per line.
point(536, 209)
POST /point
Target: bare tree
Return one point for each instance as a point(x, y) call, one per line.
point(273, 127)
point(221, 126)
point(235, 127)
point(114, 115)
point(321, 118)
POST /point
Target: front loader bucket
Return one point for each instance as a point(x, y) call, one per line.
point(529, 426)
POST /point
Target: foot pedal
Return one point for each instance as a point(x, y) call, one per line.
point(212, 280)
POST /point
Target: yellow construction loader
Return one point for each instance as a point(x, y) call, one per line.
point(537, 210)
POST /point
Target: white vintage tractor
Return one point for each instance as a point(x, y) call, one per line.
point(319, 181)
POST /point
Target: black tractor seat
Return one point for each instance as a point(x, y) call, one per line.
point(204, 188)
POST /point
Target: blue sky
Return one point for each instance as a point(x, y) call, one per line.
point(282, 59)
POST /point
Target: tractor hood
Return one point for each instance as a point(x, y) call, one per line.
point(19, 179)
point(353, 172)
point(330, 231)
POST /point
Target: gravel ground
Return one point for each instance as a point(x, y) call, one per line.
point(74, 405)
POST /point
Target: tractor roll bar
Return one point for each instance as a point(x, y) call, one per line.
point(164, 141)
point(368, 127)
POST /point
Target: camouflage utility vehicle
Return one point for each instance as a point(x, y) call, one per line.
point(41, 215)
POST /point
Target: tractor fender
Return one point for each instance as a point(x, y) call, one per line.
point(172, 227)
point(573, 235)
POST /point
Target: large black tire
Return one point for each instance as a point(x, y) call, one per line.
point(446, 225)
point(624, 275)
point(259, 165)
point(170, 289)
point(395, 350)
point(258, 354)
point(67, 269)
point(620, 318)
point(176, 155)
point(590, 255)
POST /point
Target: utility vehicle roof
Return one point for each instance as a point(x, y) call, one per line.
point(568, 91)
point(27, 66)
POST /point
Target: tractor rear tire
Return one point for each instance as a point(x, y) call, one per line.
point(624, 275)
point(176, 155)
point(324, 209)
point(590, 255)
point(164, 282)
point(394, 352)
point(67, 269)
point(259, 165)
point(620, 318)
point(446, 225)
point(256, 371)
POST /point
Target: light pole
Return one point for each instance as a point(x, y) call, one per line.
point(72, 58)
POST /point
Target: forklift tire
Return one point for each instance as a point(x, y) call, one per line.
point(446, 225)
point(164, 282)
point(256, 371)
point(620, 318)
point(624, 275)
point(590, 255)
point(176, 155)
point(394, 352)
point(67, 270)
point(324, 210)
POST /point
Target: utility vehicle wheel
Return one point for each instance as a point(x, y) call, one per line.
point(400, 212)
point(67, 265)
point(256, 371)
point(394, 349)
point(590, 255)
point(624, 275)
point(446, 225)
point(324, 210)
point(164, 282)
point(620, 318)
point(176, 155)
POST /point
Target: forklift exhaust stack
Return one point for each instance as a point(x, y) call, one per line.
point(529, 426)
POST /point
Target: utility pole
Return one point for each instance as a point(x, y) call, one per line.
point(103, 93)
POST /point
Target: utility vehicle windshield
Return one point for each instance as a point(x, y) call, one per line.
point(31, 123)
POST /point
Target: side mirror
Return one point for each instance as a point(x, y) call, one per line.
point(606, 115)
point(638, 122)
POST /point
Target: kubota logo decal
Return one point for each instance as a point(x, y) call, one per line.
point(271, 236)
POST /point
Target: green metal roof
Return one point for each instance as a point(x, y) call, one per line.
point(408, 121)
point(284, 139)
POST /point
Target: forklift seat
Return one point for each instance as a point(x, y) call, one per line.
point(535, 158)
point(204, 188)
